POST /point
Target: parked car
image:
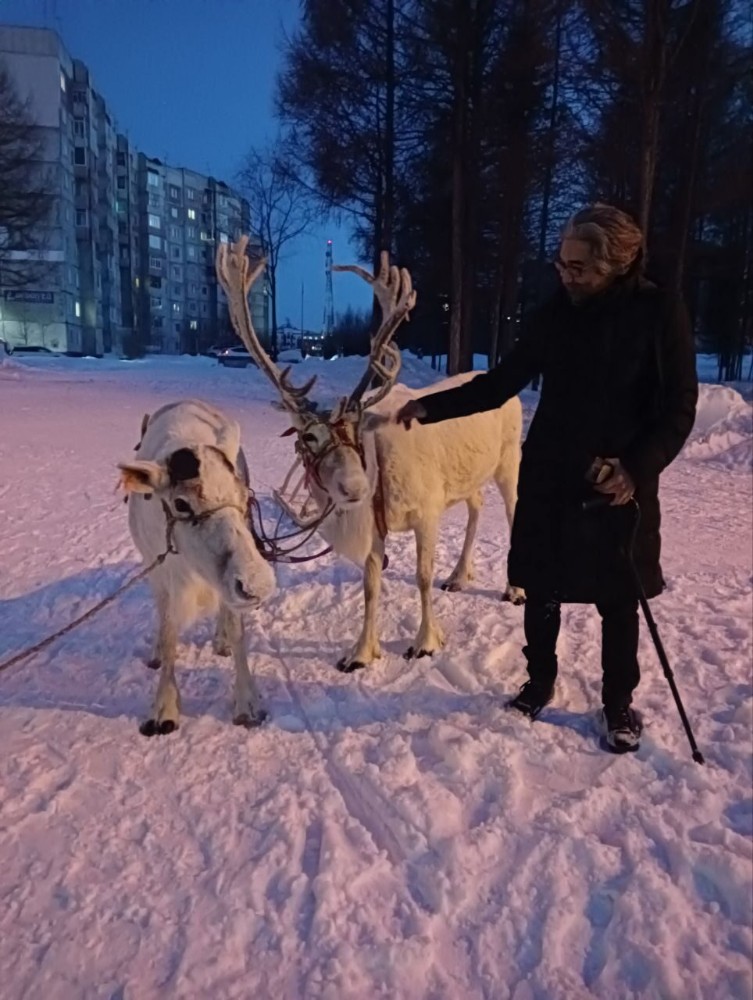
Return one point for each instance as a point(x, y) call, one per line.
point(235, 357)
point(213, 351)
point(34, 349)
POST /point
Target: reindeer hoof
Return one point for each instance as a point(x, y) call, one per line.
point(349, 668)
point(451, 586)
point(154, 664)
point(251, 720)
point(153, 728)
point(516, 602)
point(412, 653)
point(221, 649)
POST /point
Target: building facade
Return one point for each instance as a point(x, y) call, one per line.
point(128, 261)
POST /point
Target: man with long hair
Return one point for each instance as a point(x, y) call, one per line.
point(618, 398)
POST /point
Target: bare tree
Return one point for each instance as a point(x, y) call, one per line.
point(25, 194)
point(281, 210)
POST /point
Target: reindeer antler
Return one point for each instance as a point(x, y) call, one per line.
point(393, 289)
point(236, 273)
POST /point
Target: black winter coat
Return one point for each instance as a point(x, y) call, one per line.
point(618, 380)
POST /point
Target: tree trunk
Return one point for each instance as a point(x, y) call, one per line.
point(389, 133)
point(654, 69)
point(272, 277)
point(550, 147)
point(688, 191)
point(458, 201)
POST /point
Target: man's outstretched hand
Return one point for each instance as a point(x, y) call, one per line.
point(414, 409)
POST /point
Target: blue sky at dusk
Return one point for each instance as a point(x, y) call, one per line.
point(192, 82)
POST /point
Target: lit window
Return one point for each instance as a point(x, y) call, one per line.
point(190, 194)
point(154, 221)
point(62, 80)
point(174, 192)
point(137, 281)
point(193, 325)
point(192, 213)
point(78, 310)
point(176, 308)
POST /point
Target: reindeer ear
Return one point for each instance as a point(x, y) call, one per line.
point(142, 477)
point(229, 442)
point(182, 465)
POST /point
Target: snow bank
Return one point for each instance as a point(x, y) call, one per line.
point(723, 430)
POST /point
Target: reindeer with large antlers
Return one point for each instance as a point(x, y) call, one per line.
point(372, 476)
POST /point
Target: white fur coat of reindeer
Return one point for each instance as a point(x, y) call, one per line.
point(375, 477)
point(187, 493)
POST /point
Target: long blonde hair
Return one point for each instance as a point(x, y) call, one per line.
point(615, 239)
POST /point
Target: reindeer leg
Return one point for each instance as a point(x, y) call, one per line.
point(166, 710)
point(430, 637)
point(367, 647)
point(247, 710)
point(222, 643)
point(506, 478)
point(463, 572)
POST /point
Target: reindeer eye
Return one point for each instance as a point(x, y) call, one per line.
point(183, 507)
point(309, 438)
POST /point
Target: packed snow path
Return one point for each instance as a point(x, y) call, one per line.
point(395, 833)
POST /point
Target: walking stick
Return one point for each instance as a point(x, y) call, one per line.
point(603, 501)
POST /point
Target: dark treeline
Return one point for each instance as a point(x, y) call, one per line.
point(459, 134)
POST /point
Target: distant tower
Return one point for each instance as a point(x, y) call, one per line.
point(328, 324)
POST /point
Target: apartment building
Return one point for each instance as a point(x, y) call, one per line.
point(182, 216)
point(128, 258)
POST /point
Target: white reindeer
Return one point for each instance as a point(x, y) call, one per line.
point(188, 493)
point(376, 478)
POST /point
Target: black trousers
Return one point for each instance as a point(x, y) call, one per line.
point(619, 647)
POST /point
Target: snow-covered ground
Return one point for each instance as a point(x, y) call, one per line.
point(396, 833)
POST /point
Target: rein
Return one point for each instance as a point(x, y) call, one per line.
point(269, 545)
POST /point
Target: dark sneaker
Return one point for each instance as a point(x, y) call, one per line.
point(621, 729)
point(531, 698)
